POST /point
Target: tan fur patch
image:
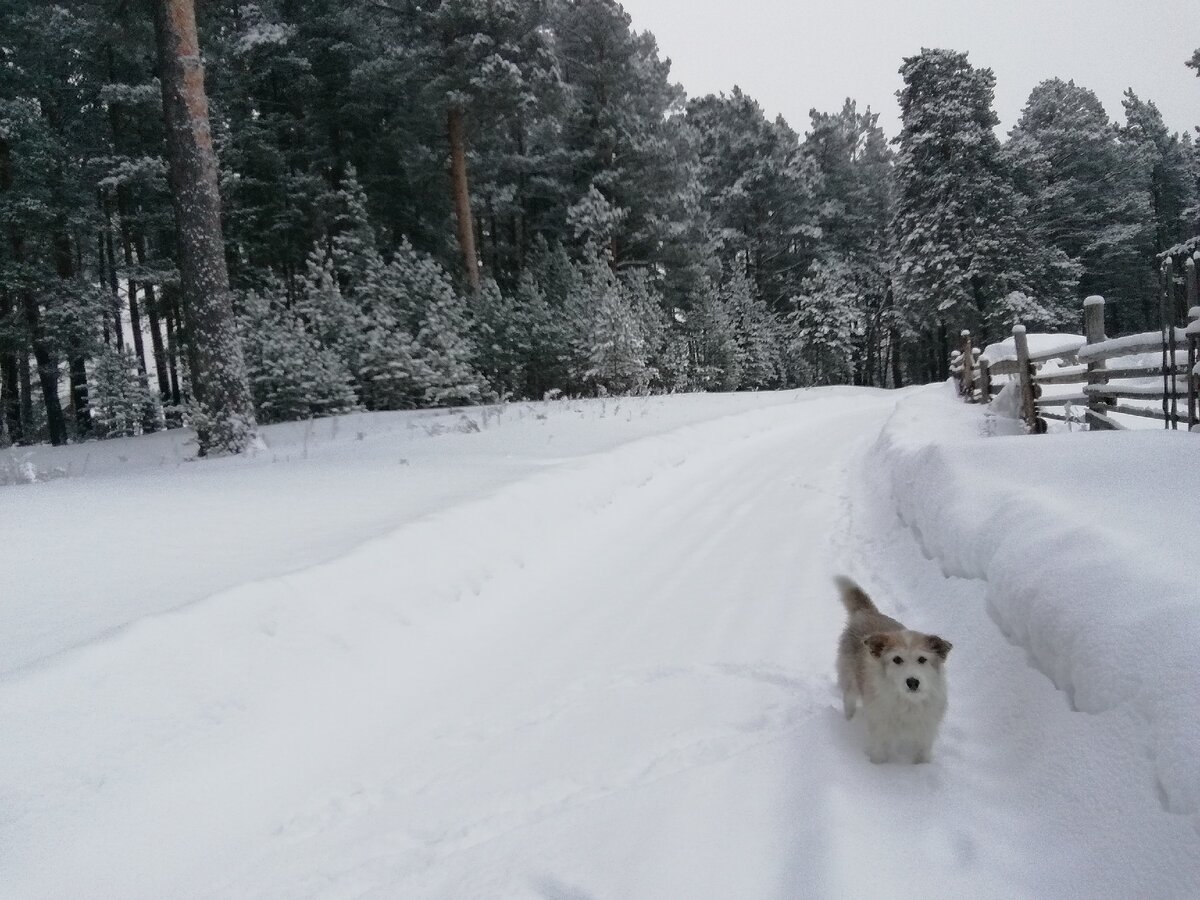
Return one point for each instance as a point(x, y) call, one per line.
point(878, 643)
point(938, 645)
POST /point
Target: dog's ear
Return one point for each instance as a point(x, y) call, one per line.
point(877, 643)
point(938, 646)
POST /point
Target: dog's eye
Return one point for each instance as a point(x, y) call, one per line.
point(921, 660)
point(897, 660)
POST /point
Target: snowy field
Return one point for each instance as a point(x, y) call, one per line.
point(584, 650)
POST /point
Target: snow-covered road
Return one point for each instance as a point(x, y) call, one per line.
point(610, 677)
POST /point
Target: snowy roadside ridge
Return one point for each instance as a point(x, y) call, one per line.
point(1111, 621)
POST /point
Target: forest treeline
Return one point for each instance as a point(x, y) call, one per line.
point(435, 203)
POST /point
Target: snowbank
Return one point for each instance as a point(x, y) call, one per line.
point(1084, 542)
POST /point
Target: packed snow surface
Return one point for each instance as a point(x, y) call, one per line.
point(585, 650)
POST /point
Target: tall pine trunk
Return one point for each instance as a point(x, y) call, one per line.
point(156, 338)
point(47, 365)
point(114, 287)
point(10, 386)
point(225, 423)
point(456, 127)
point(174, 359)
point(64, 265)
point(25, 383)
point(150, 418)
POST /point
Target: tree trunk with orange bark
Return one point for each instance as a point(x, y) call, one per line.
point(225, 420)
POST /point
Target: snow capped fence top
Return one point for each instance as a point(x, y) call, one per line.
point(1041, 347)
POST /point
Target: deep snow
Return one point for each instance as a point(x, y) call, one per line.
point(584, 650)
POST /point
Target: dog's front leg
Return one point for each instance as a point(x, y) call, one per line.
point(924, 752)
point(878, 747)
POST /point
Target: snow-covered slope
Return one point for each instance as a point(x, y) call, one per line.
point(577, 650)
point(1084, 541)
point(113, 531)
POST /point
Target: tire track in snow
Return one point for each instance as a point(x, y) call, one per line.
point(769, 704)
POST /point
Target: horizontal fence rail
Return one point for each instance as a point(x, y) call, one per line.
point(1175, 395)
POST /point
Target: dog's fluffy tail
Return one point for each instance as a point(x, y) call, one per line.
point(854, 598)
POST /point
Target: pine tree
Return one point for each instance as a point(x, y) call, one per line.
point(504, 335)
point(646, 305)
point(623, 137)
point(1087, 195)
point(1191, 215)
point(474, 61)
point(284, 111)
point(332, 317)
point(855, 203)
point(121, 399)
point(712, 343)
point(353, 251)
point(546, 294)
point(957, 237)
point(292, 374)
point(759, 191)
point(823, 324)
point(225, 418)
point(448, 354)
point(756, 334)
point(1168, 160)
point(616, 352)
point(392, 373)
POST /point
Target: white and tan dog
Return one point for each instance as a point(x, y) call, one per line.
point(897, 676)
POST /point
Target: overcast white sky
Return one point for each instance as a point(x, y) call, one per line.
point(793, 55)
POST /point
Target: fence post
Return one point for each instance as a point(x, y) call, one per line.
point(1025, 374)
point(1167, 312)
point(968, 367)
point(1193, 333)
point(1093, 329)
point(985, 382)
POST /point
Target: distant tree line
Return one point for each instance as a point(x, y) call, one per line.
point(436, 203)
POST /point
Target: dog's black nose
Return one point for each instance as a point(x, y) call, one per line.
point(913, 683)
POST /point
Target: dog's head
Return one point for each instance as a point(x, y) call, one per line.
point(911, 662)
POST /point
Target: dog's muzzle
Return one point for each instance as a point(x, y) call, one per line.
point(913, 683)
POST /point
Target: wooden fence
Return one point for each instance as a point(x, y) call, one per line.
point(1104, 391)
